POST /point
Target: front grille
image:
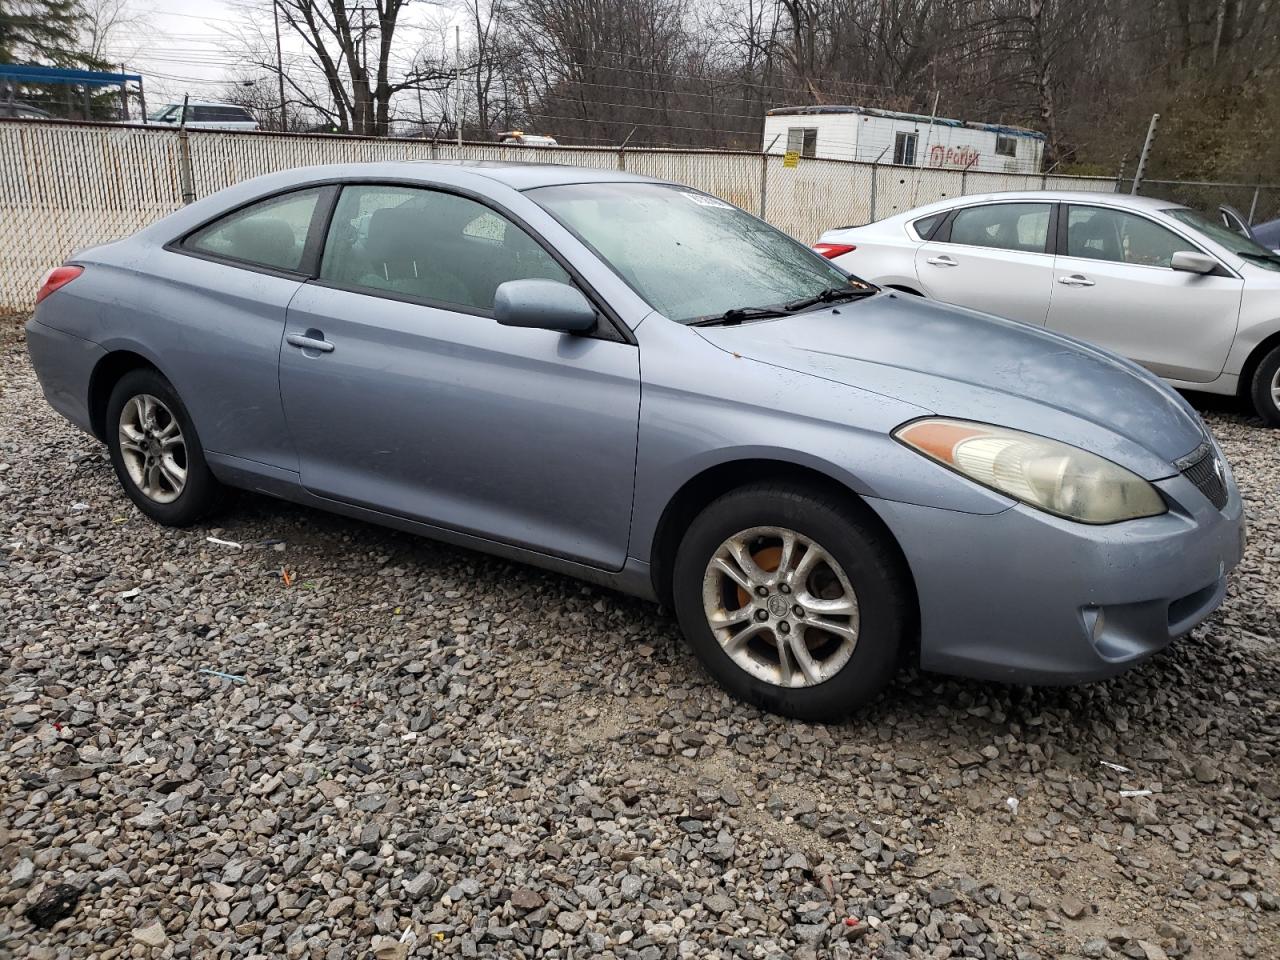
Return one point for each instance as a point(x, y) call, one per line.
point(1208, 476)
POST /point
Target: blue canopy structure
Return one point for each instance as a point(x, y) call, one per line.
point(84, 78)
point(16, 75)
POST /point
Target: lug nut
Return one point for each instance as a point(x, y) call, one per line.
point(784, 627)
point(798, 610)
point(762, 591)
point(762, 615)
point(784, 588)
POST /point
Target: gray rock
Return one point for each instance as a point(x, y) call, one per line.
point(152, 935)
point(570, 921)
point(22, 873)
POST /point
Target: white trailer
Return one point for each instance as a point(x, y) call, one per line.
point(906, 139)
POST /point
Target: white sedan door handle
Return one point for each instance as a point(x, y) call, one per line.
point(942, 261)
point(1076, 280)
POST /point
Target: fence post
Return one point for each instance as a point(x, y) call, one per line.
point(1124, 162)
point(1253, 204)
point(622, 150)
point(764, 175)
point(186, 179)
point(1146, 152)
point(875, 180)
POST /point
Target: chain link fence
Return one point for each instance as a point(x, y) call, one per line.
point(65, 186)
point(1255, 202)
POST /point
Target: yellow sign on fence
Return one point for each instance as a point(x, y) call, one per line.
point(791, 158)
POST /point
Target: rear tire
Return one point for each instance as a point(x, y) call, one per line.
point(813, 638)
point(156, 452)
point(1264, 389)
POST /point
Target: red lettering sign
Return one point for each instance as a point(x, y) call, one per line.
point(940, 156)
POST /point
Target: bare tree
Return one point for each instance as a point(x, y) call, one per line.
point(115, 24)
point(352, 74)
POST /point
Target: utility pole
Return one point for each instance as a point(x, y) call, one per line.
point(457, 77)
point(1146, 152)
point(275, 16)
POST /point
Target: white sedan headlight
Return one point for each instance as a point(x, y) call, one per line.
point(1051, 476)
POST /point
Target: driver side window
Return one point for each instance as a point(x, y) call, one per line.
point(428, 245)
point(1098, 233)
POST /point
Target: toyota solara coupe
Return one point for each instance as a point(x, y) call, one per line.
point(641, 385)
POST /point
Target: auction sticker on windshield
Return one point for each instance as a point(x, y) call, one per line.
point(702, 200)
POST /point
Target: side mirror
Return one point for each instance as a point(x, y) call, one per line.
point(544, 304)
point(1190, 262)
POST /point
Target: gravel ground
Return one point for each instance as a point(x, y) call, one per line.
point(436, 753)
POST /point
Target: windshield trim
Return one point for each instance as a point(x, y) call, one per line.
point(531, 192)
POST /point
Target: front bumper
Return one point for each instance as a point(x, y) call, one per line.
point(64, 364)
point(1025, 597)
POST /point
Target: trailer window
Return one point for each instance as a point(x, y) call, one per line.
point(904, 149)
point(1006, 146)
point(802, 140)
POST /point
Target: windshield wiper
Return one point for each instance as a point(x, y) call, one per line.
point(829, 295)
point(736, 315)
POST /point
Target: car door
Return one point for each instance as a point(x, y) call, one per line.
point(992, 257)
point(404, 395)
point(1115, 286)
point(216, 312)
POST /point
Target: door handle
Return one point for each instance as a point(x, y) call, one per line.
point(942, 261)
point(1075, 280)
point(311, 340)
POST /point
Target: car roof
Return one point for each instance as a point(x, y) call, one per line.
point(524, 175)
point(1105, 197)
point(205, 103)
point(519, 175)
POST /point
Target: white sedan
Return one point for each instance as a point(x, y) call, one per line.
point(1189, 299)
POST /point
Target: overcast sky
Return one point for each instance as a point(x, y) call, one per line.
point(185, 46)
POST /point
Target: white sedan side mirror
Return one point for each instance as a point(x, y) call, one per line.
point(1190, 262)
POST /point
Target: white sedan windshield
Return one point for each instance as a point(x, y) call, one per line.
point(689, 255)
point(1239, 245)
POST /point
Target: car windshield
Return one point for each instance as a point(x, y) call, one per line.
point(163, 112)
point(690, 255)
point(1224, 236)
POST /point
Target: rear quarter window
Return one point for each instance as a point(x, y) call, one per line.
point(271, 233)
point(926, 225)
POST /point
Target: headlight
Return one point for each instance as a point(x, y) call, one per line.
point(1046, 474)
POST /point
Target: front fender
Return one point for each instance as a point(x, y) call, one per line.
point(1249, 337)
point(702, 408)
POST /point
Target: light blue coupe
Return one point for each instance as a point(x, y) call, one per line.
point(643, 386)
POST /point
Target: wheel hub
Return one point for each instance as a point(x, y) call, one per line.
point(781, 606)
point(153, 448)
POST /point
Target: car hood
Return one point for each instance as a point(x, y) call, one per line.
point(961, 363)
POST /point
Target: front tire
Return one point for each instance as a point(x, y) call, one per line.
point(1264, 389)
point(793, 599)
point(156, 453)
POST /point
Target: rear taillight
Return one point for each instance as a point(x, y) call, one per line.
point(56, 279)
point(833, 250)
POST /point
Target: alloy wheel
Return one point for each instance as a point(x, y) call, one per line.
point(153, 448)
point(781, 606)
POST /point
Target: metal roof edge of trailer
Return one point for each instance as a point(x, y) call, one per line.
point(38, 74)
point(821, 109)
